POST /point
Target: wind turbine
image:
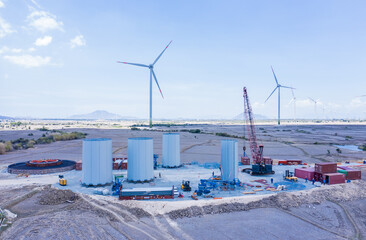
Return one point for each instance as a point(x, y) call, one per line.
point(279, 86)
point(315, 102)
point(152, 73)
point(293, 100)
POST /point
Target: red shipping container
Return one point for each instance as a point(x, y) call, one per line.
point(318, 176)
point(326, 167)
point(245, 161)
point(79, 165)
point(267, 160)
point(305, 173)
point(334, 178)
point(294, 162)
point(115, 166)
point(283, 162)
point(353, 174)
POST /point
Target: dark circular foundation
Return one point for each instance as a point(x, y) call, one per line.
point(23, 167)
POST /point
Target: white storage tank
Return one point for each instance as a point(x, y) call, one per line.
point(97, 161)
point(171, 150)
point(140, 167)
point(229, 160)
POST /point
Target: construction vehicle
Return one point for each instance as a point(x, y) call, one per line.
point(186, 186)
point(260, 165)
point(62, 181)
point(289, 176)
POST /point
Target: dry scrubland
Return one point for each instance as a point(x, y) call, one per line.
point(331, 212)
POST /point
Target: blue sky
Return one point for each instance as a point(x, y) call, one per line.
point(58, 58)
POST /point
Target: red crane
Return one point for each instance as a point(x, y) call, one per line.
point(257, 151)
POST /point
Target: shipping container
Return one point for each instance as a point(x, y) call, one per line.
point(79, 165)
point(353, 174)
point(294, 162)
point(325, 167)
point(334, 178)
point(245, 160)
point(305, 173)
point(267, 161)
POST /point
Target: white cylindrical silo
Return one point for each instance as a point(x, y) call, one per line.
point(229, 160)
point(171, 150)
point(97, 161)
point(140, 167)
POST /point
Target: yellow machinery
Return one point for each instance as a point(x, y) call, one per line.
point(289, 176)
point(62, 181)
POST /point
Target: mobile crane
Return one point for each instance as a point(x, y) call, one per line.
point(260, 165)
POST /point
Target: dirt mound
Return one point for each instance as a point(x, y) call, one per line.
point(51, 196)
point(285, 200)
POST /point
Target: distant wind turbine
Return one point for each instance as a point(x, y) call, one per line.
point(293, 100)
point(315, 102)
point(152, 73)
point(279, 86)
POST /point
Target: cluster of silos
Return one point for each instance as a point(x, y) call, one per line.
point(97, 162)
point(229, 160)
point(140, 166)
point(171, 150)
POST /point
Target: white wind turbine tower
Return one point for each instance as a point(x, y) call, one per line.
point(293, 100)
point(278, 87)
point(315, 102)
point(152, 74)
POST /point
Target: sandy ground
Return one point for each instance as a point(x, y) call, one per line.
point(331, 212)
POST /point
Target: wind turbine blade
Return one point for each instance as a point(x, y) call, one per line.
point(293, 94)
point(271, 94)
point(135, 64)
point(274, 75)
point(290, 101)
point(156, 80)
point(287, 87)
point(161, 53)
point(312, 99)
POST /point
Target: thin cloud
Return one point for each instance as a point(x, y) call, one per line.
point(1, 4)
point(78, 41)
point(46, 40)
point(5, 28)
point(11, 50)
point(28, 61)
point(44, 21)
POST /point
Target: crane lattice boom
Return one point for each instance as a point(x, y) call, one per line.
point(257, 151)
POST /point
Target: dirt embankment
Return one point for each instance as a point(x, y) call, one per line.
point(52, 196)
point(285, 200)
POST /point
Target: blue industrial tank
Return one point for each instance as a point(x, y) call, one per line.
point(229, 160)
point(97, 161)
point(140, 166)
point(171, 150)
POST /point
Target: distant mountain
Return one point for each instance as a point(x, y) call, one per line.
point(99, 114)
point(256, 117)
point(5, 117)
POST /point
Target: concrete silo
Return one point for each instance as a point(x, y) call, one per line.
point(97, 161)
point(140, 166)
point(229, 160)
point(171, 150)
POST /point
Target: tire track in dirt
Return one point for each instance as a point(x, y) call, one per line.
point(119, 218)
point(195, 145)
point(355, 226)
point(312, 223)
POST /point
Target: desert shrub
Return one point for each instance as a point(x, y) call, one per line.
point(8, 146)
point(43, 129)
point(45, 140)
point(2, 148)
point(362, 147)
